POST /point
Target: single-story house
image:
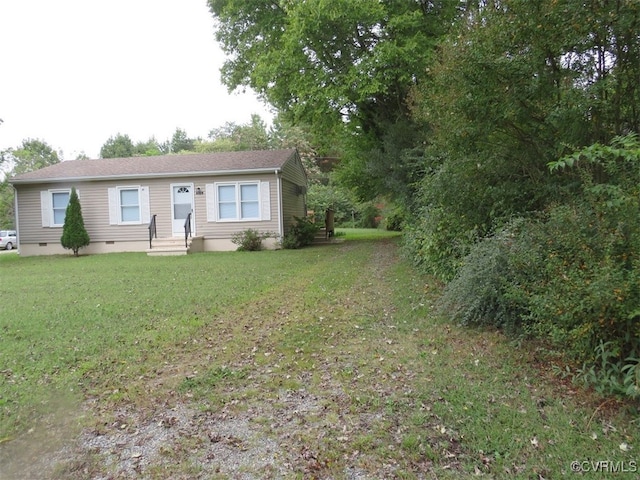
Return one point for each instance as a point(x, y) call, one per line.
point(150, 203)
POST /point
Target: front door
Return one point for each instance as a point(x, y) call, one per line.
point(181, 206)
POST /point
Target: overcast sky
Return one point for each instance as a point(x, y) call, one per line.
point(76, 72)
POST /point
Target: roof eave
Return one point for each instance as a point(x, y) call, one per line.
point(146, 175)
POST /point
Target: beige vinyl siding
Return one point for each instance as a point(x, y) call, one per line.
point(94, 199)
point(293, 171)
point(293, 204)
point(29, 219)
point(160, 205)
point(95, 212)
point(293, 199)
point(30, 212)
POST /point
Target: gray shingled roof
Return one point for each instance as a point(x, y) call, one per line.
point(160, 166)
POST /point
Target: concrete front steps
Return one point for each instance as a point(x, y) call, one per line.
point(175, 246)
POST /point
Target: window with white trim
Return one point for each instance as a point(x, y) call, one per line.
point(128, 205)
point(59, 202)
point(53, 205)
point(238, 201)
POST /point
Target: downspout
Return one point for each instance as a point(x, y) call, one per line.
point(280, 212)
point(16, 216)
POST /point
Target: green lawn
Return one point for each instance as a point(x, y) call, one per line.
point(399, 393)
point(364, 234)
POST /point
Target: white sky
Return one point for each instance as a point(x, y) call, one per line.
point(76, 72)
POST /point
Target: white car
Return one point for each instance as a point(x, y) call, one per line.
point(8, 239)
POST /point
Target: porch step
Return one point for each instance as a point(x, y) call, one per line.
point(173, 246)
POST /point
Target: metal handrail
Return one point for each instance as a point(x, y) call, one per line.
point(152, 230)
point(187, 230)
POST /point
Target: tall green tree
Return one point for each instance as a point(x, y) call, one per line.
point(344, 67)
point(74, 235)
point(149, 148)
point(31, 155)
point(249, 136)
point(180, 142)
point(119, 146)
point(284, 134)
point(517, 85)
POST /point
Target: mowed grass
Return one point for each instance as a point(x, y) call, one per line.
point(401, 394)
point(364, 233)
point(75, 325)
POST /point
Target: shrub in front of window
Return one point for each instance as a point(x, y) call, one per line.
point(74, 235)
point(249, 240)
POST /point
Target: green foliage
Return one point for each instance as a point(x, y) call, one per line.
point(149, 148)
point(250, 136)
point(513, 90)
point(369, 215)
point(180, 142)
point(249, 240)
point(394, 218)
point(74, 235)
point(570, 276)
point(343, 67)
point(7, 213)
point(436, 241)
point(285, 134)
point(610, 375)
point(300, 234)
point(576, 274)
point(321, 198)
point(32, 155)
point(592, 245)
point(477, 295)
point(219, 145)
point(119, 146)
point(256, 136)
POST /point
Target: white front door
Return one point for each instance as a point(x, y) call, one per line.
point(181, 206)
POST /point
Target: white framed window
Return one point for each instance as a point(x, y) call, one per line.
point(238, 201)
point(53, 204)
point(227, 202)
point(59, 202)
point(129, 205)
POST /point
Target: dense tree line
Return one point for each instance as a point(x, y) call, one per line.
point(455, 110)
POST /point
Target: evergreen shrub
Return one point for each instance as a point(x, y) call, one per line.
point(74, 235)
